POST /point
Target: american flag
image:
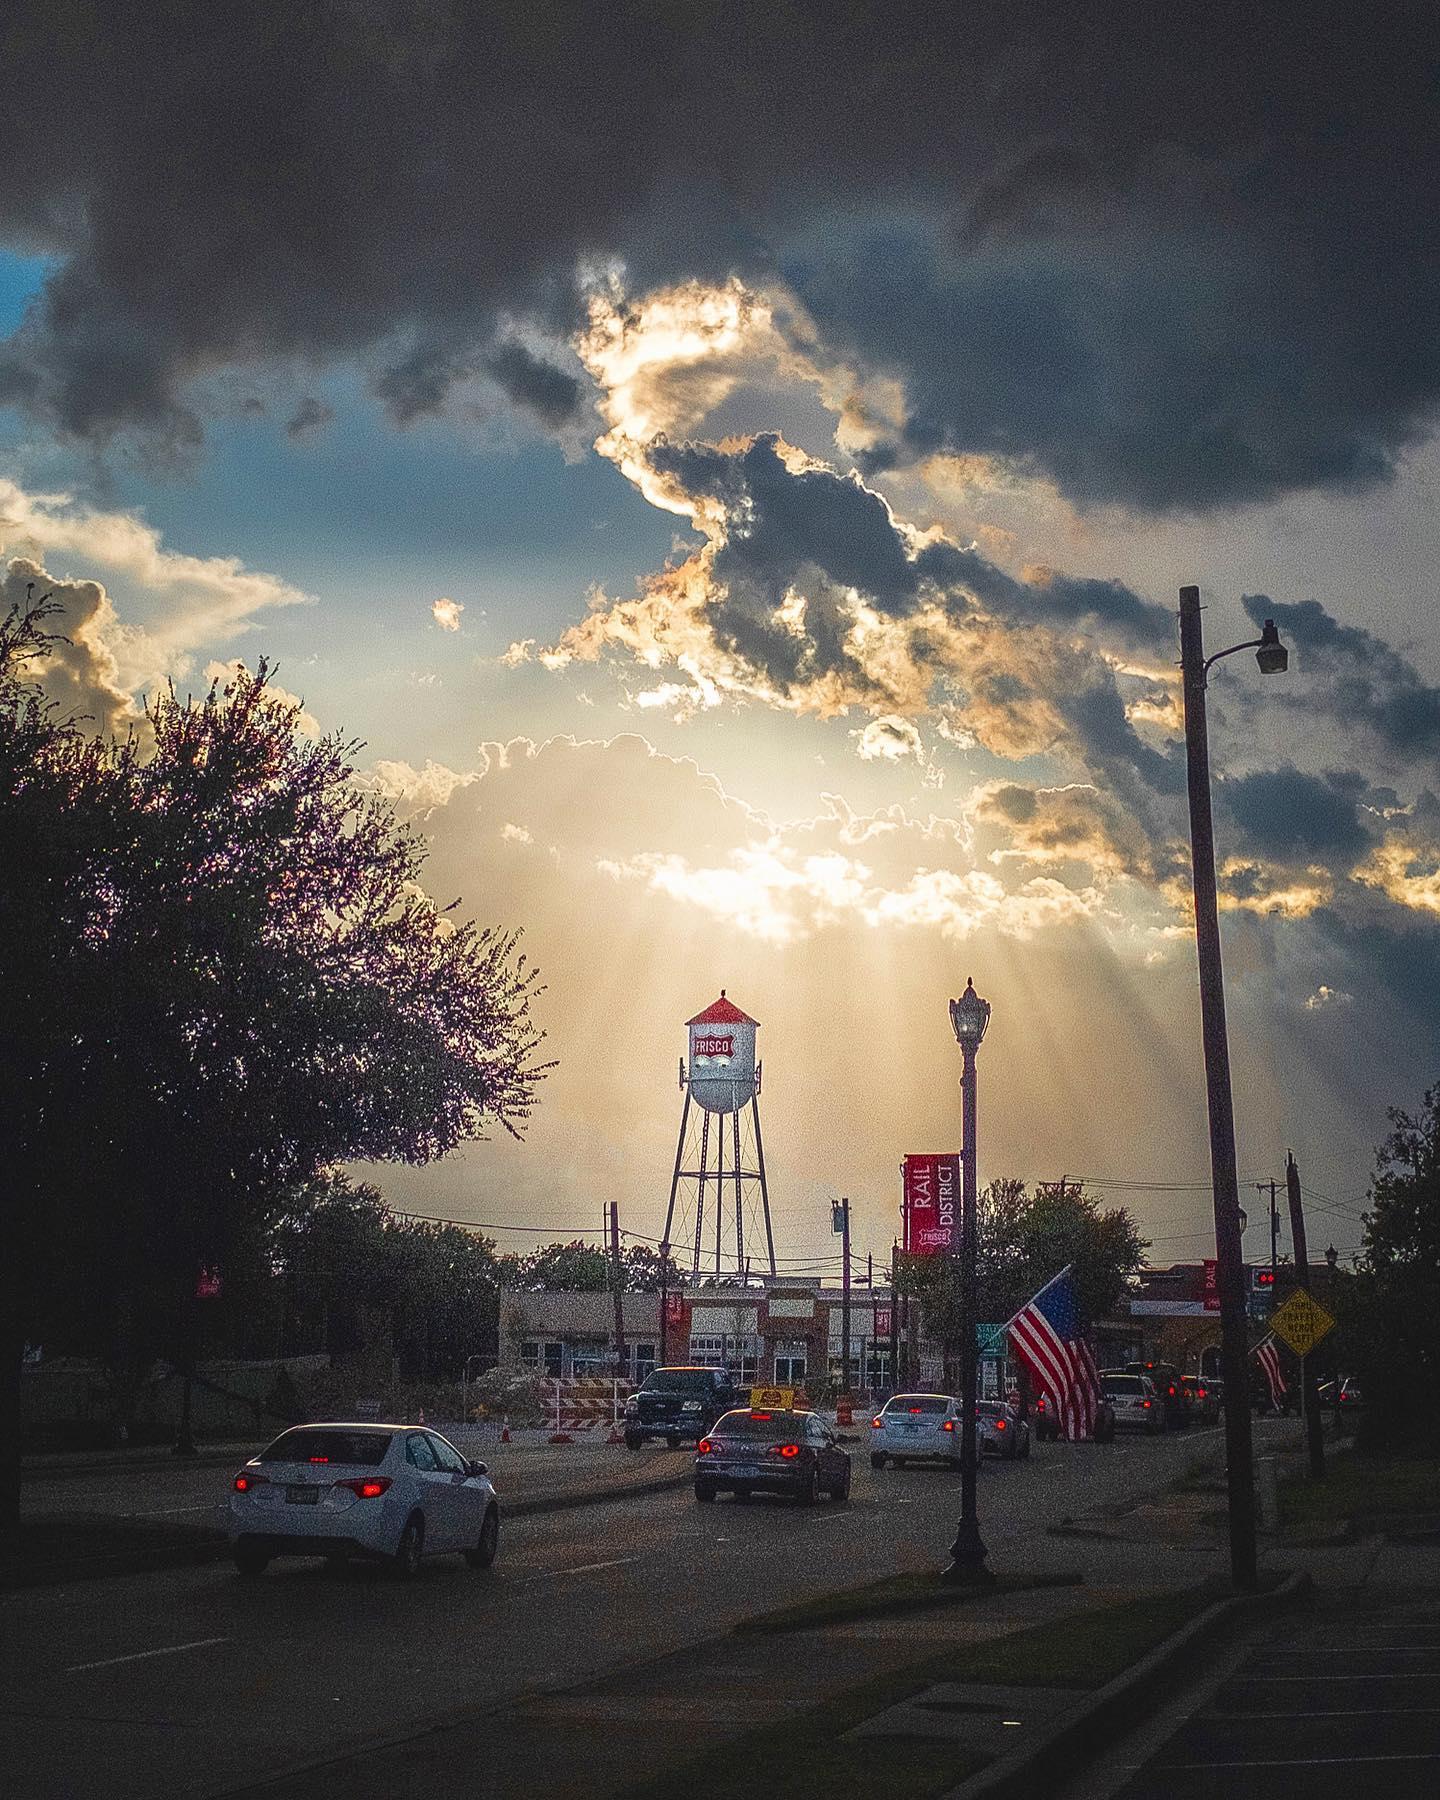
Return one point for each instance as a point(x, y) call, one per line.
point(1268, 1358)
point(1047, 1337)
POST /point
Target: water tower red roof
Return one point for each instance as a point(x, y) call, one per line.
point(723, 1012)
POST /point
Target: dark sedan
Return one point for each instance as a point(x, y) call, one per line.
point(752, 1451)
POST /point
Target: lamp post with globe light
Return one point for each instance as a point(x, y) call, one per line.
point(1195, 666)
point(969, 1016)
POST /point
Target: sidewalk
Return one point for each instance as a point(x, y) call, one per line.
point(1343, 1707)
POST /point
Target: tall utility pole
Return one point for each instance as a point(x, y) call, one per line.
point(618, 1277)
point(1309, 1388)
point(894, 1317)
point(1230, 1269)
point(664, 1300)
point(842, 1212)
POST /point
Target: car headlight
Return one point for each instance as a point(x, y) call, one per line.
point(632, 1409)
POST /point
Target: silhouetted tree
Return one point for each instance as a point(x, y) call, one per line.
point(229, 979)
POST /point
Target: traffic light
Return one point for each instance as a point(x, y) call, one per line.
point(1262, 1281)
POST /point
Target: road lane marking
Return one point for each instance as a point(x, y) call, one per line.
point(613, 1562)
point(109, 1662)
point(163, 1511)
point(1304, 1762)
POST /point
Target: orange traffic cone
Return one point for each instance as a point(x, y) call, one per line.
point(844, 1413)
point(505, 1430)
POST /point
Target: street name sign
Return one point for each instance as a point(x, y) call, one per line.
point(1302, 1322)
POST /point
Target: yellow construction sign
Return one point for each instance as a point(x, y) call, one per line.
point(1302, 1322)
point(772, 1399)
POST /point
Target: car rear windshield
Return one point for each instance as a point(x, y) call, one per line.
point(1123, 1384)
point(924, 1403)
point(777, 1427)
point(679, 1381)
point(992, 1409)
point(361, 1449)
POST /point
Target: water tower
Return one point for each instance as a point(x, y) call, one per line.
point(721, 1083)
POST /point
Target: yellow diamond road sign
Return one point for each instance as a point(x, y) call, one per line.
point(1302, 1322)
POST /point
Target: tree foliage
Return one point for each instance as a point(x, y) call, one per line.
point(1390, 1312)
point(1024, 1239)
point(581, 1268)
point(219, 975)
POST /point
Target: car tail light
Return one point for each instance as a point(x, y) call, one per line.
point(999, 1424)
point(949, 1425)
point(1145, 1403)
point(915, 1409)
point(369, 1487)
point(785, 1450)
point(877, 1424)
point(705, 1447)
point(314, 1459)
point(1172, 1393)
point(755, 1415)
point(244, 1481)
point(1201, 1392)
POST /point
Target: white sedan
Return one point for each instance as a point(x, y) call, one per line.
point(916, 1428)
point(396, 1492)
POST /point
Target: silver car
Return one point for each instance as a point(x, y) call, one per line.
point(1133, 1400)
point(916, 1428)
point(1000, 1431)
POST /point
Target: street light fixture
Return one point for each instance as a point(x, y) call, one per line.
point(1195, 666)
point(969, 1016)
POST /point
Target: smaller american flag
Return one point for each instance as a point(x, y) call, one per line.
point(1268, 1358)
point(1047, 1336)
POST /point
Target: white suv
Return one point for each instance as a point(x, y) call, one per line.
point(1133, 1400)
point(397, 1492)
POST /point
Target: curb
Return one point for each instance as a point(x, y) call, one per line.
point(1110, 1713)
point(197, 1555)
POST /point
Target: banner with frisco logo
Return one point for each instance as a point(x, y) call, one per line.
point(931, 1204)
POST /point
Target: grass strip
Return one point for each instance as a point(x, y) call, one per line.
point(1360, 1488)
point(806, 1754)
point(890, 1597)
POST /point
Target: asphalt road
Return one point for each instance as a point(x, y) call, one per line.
point(193, 1682)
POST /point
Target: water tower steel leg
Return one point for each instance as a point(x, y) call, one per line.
point(719, 1186)
point(700, 1191)
point(739, 1222)
point(764, 1187)
point(675, 1177)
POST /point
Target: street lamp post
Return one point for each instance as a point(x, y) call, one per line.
point(1270, 654)
point(969, 1015)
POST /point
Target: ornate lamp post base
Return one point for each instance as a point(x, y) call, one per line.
point(967, 1558)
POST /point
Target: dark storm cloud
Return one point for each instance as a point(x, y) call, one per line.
point(1356, 677)
point(1286, 816)
point(1170, 257)
point(784, 522)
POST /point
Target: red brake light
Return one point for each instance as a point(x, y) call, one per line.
point(755, 1415)
point(999, 1424)
point(244, 1481)
point(704, 1447)
point(1146, 1402)
point(915, 1409)
point(1200, 1392)
point(318, 1459)
point(1172, 1390)
point(949, 1425)
point(369, 1487)
point(877, 1424)
point(789, 1450)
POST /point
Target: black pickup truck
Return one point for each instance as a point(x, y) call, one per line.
point(680, 1405)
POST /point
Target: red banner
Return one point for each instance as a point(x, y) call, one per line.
point(882, 1321)
point(932, 1199)
point(1211, 1291)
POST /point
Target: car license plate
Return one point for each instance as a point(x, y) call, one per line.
point(303, 1496)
